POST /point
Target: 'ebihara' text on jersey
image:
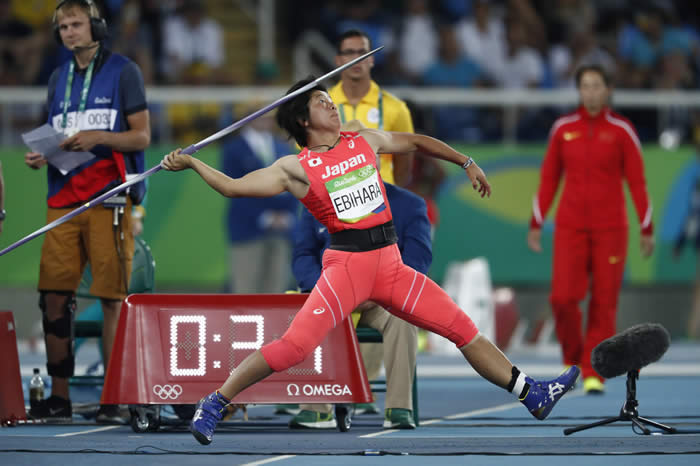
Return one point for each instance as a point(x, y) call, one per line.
point(346, 188)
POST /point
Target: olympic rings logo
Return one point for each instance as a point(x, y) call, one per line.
point(167, 391)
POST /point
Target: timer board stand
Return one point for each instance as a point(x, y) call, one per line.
point(176, 348)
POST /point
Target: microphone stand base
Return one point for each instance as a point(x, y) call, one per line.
point(627, 413)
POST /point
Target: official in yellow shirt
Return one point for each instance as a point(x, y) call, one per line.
point(358, 97)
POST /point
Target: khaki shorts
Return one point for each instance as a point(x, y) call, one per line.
point(88, 237)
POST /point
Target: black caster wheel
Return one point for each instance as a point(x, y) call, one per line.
point(343, 415)
point(144, 418)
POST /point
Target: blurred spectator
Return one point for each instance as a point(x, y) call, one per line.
point(581, 48)
point(454, 70)
point(428, 176)
point(428, 173)
point(135, 39)
point(368, 16)
point(690, 233)
point(675, 72)
point(37, 13)
point(524, 13)
point(20, 46)
point(451, 69)
point(417, 40)
point(190, 37)
point(259, 230)
point(643, 45)
point(193, 48)
point(482, 38)
point(193, 121)
point(564, 16)
point(653, 45)
point(523, 66)
point(2, 199)
point(456, 9)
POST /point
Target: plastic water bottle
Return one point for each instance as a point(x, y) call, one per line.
point(36, 389)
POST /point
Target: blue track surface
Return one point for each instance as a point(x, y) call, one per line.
point(460, 415)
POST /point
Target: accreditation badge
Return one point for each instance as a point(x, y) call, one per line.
point(373, 115)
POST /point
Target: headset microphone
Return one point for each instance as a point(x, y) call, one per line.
point(86, 47)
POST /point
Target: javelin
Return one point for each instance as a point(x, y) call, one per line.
point(189, 150)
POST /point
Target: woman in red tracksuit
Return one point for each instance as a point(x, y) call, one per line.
point(594, 149)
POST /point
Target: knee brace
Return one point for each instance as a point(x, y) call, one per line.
point(60, 328)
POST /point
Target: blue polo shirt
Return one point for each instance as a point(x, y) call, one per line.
point(116, 91)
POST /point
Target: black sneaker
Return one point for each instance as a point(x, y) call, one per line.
point(54, 408)
point(109, 414)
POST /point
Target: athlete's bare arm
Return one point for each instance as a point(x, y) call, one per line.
point(395, 143)
point(286, 174)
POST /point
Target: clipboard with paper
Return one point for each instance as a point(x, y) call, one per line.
point(46, 141)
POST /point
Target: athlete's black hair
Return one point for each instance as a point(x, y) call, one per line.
point(292, 114)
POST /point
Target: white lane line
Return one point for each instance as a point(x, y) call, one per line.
point(389, 431)
point(479, 412)
point(476, 412)
point(381, 432)
point(89, 431)
point(269, 460)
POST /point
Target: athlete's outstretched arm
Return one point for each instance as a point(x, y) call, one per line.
point(392, 142)
point(266, 182)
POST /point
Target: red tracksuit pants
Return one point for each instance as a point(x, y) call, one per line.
point(583, 260)
point(350, 278)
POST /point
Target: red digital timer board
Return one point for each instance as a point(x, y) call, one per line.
point(174, 349)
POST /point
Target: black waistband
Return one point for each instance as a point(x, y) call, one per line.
point(364, 240)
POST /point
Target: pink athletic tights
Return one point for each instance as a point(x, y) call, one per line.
point(350, 278)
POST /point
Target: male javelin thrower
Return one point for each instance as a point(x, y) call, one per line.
point(337, 179)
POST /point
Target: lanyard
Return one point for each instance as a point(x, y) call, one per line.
point(83, 93)
point(380, 104)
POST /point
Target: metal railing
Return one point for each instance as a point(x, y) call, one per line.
point(29, 101)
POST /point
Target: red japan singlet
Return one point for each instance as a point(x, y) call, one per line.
point(346, 191)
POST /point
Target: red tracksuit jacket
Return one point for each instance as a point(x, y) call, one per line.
point(594, 154)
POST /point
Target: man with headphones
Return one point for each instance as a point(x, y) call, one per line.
point(97, 99)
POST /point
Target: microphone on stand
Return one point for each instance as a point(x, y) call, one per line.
point(628, 352)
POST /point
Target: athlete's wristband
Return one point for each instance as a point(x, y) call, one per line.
point(467, 163)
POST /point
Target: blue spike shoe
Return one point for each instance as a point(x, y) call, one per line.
point(542, 396)
point(210, 410)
